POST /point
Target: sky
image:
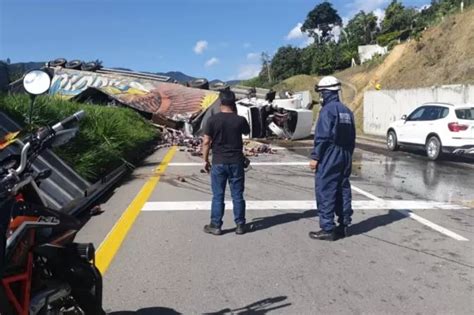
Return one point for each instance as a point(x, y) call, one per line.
point(215, 39)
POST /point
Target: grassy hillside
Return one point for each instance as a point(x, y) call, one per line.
point(108, 136)
point(444, 54)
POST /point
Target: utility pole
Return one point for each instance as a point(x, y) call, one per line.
point(266, 63)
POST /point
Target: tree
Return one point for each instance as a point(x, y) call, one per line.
point(362, 28)
point(323, 18)
point(397, 18)
point(286, 63)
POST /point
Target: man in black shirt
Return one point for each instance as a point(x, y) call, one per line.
point(223, 133)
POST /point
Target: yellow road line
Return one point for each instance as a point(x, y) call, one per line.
point(112, 242)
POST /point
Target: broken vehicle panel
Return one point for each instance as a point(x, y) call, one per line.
point(163, 102)
point(283, 118)
point(181, 107)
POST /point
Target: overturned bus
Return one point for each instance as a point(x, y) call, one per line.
point(175, 105)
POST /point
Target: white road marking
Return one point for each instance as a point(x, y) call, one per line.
point(402, 206)
point(365, 193)
point(432, 225)
point(299, 205)
point(379, 204)
point(376, 203)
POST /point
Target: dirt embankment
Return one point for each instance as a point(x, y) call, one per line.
point(443, 55)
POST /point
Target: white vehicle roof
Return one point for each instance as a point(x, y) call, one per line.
point(448, 104)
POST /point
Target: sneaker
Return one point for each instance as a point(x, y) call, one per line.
point(340, 231)
point(323, 235)
point(212, 229)
point(240, 229)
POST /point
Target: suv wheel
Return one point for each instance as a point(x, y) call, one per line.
point(433, 148)
point(392, 142)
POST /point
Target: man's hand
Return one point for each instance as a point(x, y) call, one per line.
point(313, 165)
point(207, 167)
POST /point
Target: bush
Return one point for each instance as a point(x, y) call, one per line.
point(108, 136)
point(386, 39)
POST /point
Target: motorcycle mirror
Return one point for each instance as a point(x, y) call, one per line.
point(36, 82)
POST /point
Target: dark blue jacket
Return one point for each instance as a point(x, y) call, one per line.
point(335, 127)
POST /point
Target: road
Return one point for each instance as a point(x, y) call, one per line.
point(410, 248)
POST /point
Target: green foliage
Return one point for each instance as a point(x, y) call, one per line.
point(397, 18)
point(327, 58)
point(362, 28)
point(324, 57)
point(386, 39)
point(323, 17)
point(108, 136)
point(286, 63)
point(260, 81)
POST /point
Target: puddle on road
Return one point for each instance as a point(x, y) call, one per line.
point(424, 179)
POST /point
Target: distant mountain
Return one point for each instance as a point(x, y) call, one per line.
point(16, 70)
point(21, 67)
point(182, 77)
point(177, 75)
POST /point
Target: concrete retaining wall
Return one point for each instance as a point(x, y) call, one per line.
point(383, 107)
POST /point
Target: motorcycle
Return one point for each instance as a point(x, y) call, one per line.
point(43, 270)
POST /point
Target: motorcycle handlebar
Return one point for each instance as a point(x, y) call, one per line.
point(45, 133)
point(63, 124)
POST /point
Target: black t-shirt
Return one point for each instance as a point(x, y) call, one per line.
point(226, 130)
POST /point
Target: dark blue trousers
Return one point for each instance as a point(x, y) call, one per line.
point(333, 188)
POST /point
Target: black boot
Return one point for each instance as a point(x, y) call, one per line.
point(240, 229)
point(340, 231)
point(212, 229)
point(323, 235)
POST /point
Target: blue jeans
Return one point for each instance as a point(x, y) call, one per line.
point(220, 174)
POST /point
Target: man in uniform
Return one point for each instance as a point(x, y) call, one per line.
point(331, 158)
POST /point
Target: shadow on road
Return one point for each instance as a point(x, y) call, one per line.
point(258, 308)
point(149, 311)
point(375, 222)
point(261, 307)
point(259, 224)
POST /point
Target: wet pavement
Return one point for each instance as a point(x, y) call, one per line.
point(409, 174)
point(410, 250)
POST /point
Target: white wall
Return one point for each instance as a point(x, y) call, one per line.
point(366, 52)
point(385, 106)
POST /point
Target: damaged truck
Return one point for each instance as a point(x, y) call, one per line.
point(181, 107)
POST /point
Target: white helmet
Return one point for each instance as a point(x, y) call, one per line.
point(328, 83)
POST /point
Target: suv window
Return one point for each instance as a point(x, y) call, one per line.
point(465, 113)
point(434, 113)
point(417, 114)
point(445, 112)
point(430, 113)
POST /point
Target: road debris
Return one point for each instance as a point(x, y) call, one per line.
point(193, 145)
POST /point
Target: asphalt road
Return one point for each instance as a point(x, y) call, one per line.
point(410, 250)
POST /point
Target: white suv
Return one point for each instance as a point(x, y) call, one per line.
point(438, 127)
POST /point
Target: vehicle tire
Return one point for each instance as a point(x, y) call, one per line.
point(199, 84)
point(59, 62)
point(392, 141)
point(90, 66)
point(433, 148)
point(74, 64)
point(218, 86)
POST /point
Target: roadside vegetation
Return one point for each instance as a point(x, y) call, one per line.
point(327, 55)
point(108, 137)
